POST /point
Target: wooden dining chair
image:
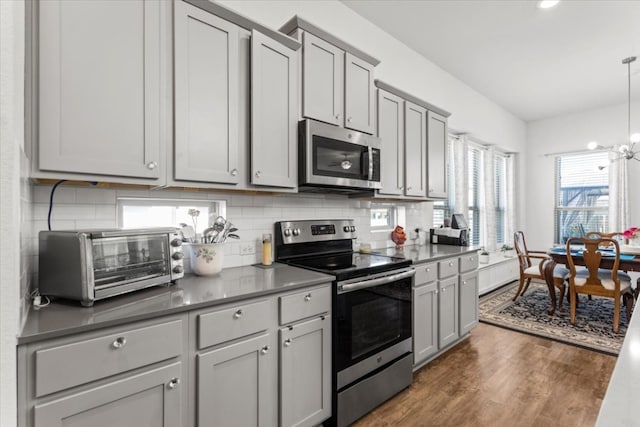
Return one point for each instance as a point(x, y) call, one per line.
point(532, 267)
point(594, 280)
point(603, 235)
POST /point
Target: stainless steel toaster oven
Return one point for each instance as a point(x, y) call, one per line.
point(90, 265)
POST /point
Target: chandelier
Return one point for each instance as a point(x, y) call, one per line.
point(627, 151)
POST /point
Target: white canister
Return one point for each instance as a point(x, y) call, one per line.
point(206, 258)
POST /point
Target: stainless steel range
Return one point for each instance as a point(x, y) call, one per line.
point(371, 305)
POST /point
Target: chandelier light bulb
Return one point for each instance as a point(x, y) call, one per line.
point(592, 145)
point(623, 148)
point(635, 138)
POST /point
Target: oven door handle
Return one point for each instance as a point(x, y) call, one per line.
point(375, 282)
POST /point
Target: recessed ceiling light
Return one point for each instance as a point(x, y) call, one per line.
point(546, 4)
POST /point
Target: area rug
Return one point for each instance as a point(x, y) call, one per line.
point(594, 318)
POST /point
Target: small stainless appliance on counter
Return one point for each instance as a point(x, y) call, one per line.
point(371, 312)
point(90, 265)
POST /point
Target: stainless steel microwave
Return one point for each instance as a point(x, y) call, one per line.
point(334, 158)
point(90, 265)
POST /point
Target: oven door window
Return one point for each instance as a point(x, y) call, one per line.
point(370, 320)
point(344, 160)
point(118, 260)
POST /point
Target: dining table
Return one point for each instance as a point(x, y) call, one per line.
point(558, 255)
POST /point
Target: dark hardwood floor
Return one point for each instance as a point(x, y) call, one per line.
point(499, 377)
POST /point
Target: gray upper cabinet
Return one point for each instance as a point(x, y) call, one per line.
point(358, 95)
point(436, 156)
point(415, 133)
point(391, 133)
point(152, 398)
point(323, 80)
point(305, 365)
point(99, 100)
point(274, 96)
point(206, 51)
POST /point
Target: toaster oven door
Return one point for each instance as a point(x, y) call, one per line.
point(124, 260)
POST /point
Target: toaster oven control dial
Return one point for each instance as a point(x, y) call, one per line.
point(346, 228)
point(176, 242)
point(296, 231)
point(177, 256)
point(287, 232)
point(178, 269)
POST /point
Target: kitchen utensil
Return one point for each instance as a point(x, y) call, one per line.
point(233, 236)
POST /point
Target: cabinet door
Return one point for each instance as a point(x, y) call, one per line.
point(468, 301)
point(391, 133)
point(425, 321)
point(305, 373)
point(206, 67)
point(323, 81)
point(99, 89)
point(152, 398)
point(273, 113)
point(236, 385)
point(448, 311)
point(437, 155)
point(415, 135)
point(358, 95)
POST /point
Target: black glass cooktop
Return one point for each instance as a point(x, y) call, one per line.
point(348, 265)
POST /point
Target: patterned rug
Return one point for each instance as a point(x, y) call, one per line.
point(594, 318)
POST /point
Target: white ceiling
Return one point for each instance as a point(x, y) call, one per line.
point(535, 63)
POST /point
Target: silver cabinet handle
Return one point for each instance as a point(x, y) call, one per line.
point(401, 187)
point(428, 269)
point(173, 383)
point(264, 350)
point(287, 342)
point(258, 173)
point(338, 116)
point(237, 314)
point(464, 282)
point(443, 289)
point(152, 165)
point(119, 342)
point(307, 297)
point(349, 119)
point(409, 188)
point(450, 264)
point(234, 172)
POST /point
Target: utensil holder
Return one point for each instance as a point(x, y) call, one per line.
point(206, 258)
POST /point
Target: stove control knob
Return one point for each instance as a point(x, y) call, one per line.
point(287, 232)
point(353, 228)
point(346, 228)
point(296, 231)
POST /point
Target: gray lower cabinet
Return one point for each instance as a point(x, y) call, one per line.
point(305, 364)
point(448, 326)
point(100, 94)
point(425, 321)
point(236, 384)
point(468, 301)
point(152, 398)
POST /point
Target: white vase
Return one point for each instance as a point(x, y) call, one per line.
point(206, 258)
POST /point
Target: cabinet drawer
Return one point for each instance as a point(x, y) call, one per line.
point(304, 304)
point(468, 262)
point(425, 273)
point(447, 268)
point(65, 366)
point(231, 323)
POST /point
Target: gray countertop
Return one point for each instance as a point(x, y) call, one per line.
point(619, 404)
point(426, 253)
point(192, 292)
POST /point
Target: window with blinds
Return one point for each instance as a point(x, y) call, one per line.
point(582, 194)
point(474, 168)
point(500, 202)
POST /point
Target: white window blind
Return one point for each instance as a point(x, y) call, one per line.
point(475, 173)
point(500, 202)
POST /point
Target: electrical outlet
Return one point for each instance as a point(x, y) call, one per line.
point(247, 249)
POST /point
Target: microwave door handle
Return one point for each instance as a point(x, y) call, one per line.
point(370, 174)
point(375, 282)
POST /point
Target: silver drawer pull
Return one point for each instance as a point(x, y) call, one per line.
point(307, 297)
point(152, 165)
point(450, 264)
point(287, 342)
point(443, 289)
point(119, 342)
point(237, 314)
point(464, 282)
point(234, 172)
point(428, 269)
point(173, 383)
point(264, 350)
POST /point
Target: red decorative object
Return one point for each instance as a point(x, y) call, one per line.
point(398, 236)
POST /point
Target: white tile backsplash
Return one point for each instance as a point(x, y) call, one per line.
point(253, 215)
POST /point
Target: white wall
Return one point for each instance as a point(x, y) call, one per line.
point(12, 192)
point(567, 133)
